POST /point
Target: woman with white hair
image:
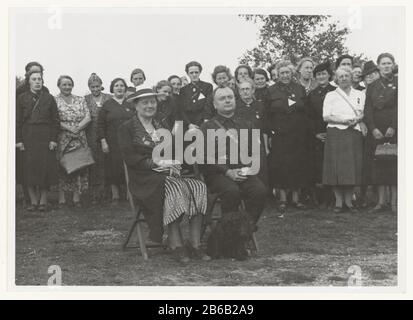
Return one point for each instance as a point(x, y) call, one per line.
point(343, 111)
point(289, 128)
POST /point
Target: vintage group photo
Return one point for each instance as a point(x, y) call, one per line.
point(202, 149)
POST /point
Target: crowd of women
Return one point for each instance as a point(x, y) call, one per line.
point(321, 130)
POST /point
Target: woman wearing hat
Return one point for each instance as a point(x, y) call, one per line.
point(343, 151)
point(95, 101)
point(322, 74)
point(289, 129)
point(381, 119)
point(113, 113)
point(37, 127)
point(165, 196)
point(370, 73)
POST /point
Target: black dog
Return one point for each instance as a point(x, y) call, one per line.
point(230, 236)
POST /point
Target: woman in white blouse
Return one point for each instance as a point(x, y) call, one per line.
point(343, 111)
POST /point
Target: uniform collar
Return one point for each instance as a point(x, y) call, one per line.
point(224, 120)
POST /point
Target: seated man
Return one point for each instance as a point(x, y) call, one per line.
point(231, 180)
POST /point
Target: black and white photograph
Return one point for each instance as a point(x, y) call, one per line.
point(206, 147)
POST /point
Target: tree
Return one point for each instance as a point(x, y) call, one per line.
point(295, 36)
point(19, 81)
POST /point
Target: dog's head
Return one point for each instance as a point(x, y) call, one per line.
point(239, 223)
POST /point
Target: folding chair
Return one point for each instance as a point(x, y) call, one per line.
point(137, 223)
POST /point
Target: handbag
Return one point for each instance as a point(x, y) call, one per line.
point(76, 159)
point(386, 150)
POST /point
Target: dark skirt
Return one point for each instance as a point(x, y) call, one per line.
point(380, 171)
point(343, 157)
point(40, 164)
point(289, 162)
point(318, 159)
point(114, 172)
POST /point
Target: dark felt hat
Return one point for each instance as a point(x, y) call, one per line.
point(369, 67)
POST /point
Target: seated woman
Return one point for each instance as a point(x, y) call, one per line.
point(166, 198)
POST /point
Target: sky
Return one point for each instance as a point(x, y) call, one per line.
point(112, 42)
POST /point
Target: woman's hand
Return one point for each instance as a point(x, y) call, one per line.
point(52, 145)
point(321, 136)
point(75, 129)
point(377, 134)
point(390, 132)
point(192, 126)
point(20, 146)
point(105, 147)
point(363, 128)
point(234, 175)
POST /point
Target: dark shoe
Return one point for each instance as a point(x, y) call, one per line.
point(115, 202)
point(61, 205)
point(299, 205)
point(197, 253)
point(77, 204)
point(180, 255)
point(42, 208)
point(353, 210)
point(378, 208)
point(282, 207)
point(338, 210)
point(31, 208)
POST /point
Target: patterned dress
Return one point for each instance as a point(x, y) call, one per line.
point(72, 114)
point(97, 171)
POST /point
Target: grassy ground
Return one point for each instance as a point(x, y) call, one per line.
point(304, 248)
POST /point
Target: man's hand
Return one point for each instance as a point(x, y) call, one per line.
point(390, 132)
point(234, 175)
point(20, 146)
point(321, 136)
point(52, 145)
point(377, 134)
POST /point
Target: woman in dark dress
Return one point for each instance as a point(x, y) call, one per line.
point(113, 113)
point(194, 98)
point(322, 74)
point(166, 112)
point(156, 183)
point(95, 101)
point(20, 88)
point(36, 137)
point(253, 111)
point(289, 129)
point(305, 69)
point(381, 120)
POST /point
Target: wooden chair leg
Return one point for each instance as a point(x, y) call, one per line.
point(141, 241)
point(135, 223)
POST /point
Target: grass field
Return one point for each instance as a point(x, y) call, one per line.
point(304, 248)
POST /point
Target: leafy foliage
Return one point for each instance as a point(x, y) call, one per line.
point(295, 36)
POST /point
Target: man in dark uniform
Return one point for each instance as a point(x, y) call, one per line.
point(193, 98)
point(230, 180)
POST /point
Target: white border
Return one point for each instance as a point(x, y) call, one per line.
point(196, 292)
